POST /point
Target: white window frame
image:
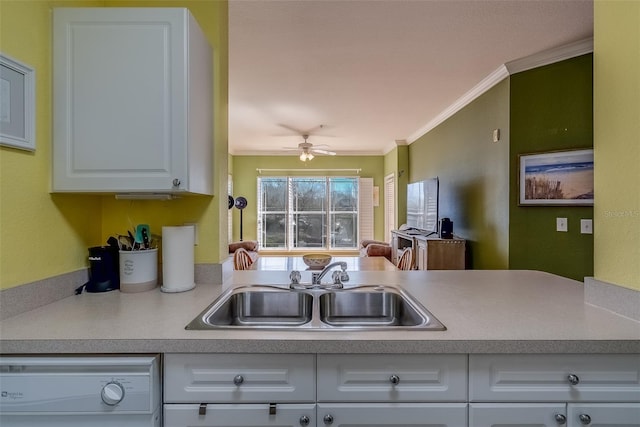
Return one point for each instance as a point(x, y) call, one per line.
point(290, 214)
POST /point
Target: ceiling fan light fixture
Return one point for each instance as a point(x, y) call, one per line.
point(306, 156)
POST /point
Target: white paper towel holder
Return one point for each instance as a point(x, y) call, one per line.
point(180, 240)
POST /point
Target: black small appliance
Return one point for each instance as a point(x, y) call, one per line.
point(446, 228)
point(104, 270)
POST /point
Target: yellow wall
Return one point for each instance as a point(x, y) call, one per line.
point(44, 235)
point(41, 235)
point(616, 142)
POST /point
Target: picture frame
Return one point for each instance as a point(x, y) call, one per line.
point(17, 104)
point(557, 178)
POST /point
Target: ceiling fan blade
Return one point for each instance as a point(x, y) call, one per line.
point(297, 131)
point(325, 152)
point(291, 128)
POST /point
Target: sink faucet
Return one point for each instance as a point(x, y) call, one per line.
point(316, 277)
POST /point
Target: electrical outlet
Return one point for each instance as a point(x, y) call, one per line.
point(561, 224)
point(195, 232)
point(586, 226)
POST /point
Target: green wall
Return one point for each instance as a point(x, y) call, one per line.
point(473, 173)
point(245, 182)
point(551, 109)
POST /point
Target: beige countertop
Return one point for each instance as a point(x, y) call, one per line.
point(484, 312)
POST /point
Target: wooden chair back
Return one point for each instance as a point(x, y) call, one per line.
point(242, 260)
point(405, 261)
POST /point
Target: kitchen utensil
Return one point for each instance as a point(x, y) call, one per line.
point(142, 235)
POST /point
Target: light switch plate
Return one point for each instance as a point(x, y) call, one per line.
point(561, 224)
point(586, 226)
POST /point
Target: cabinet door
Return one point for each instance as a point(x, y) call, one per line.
point(517, 414)
point(235, 378)
point(392, 414)
point(248, 415)
point(554, 378)
point(392, 378)
point(121, 102)
point(604, 415)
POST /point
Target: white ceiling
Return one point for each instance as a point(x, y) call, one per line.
point(373, 72)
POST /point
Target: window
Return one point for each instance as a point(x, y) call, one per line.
point(308, 212)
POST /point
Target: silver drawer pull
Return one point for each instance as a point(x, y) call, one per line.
point(585, 419)
point(560, 419)
point(328, 419)
point(238, 379)
point(394, 379)
point(573, 379)
point(304, 420)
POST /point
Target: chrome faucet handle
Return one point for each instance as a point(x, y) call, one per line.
point(295, 277)
point(336, 276)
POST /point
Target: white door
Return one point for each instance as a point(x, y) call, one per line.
point(392, 414)
point(389, 205)
point(517, 414)
point(241, 415)
point(603, 415)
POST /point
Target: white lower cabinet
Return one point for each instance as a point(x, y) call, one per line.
point(517, 414)
point(603, 414)
point(360, 390)
point(240, 415)
point(392, 414)
point(554, 390)
point(554, 414)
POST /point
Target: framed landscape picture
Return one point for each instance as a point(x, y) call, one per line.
point(557, 178)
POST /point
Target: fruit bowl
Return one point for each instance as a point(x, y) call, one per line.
point(316, 261)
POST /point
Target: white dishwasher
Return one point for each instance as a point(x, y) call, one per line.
point(56, 391)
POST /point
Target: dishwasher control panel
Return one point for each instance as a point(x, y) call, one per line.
point(127, 384)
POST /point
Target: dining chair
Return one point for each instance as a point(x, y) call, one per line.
point(406, 259)
point(242, 260)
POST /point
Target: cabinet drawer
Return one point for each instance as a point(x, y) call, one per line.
point(604, 414)
point(517, 414)
point(235, 378)
point(554, 378)
point(392, 414)
point(233, 415)
point(392, 378)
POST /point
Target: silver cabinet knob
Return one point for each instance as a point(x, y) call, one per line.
point(394, 379)
point(561, 419)
point(176, 182)
point(328, 419)
point(584, 419)
point(238, 379)
point(304, 420)
point(573, 379)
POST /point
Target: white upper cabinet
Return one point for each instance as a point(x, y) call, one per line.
point(132, 102)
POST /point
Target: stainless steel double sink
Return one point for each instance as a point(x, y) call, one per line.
point(367, 307)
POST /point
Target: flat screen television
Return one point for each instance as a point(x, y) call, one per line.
point(422, 206)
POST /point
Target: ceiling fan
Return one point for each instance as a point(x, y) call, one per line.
point(308, 150)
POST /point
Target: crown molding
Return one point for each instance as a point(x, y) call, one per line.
point(487, 83)
point(561, 53)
